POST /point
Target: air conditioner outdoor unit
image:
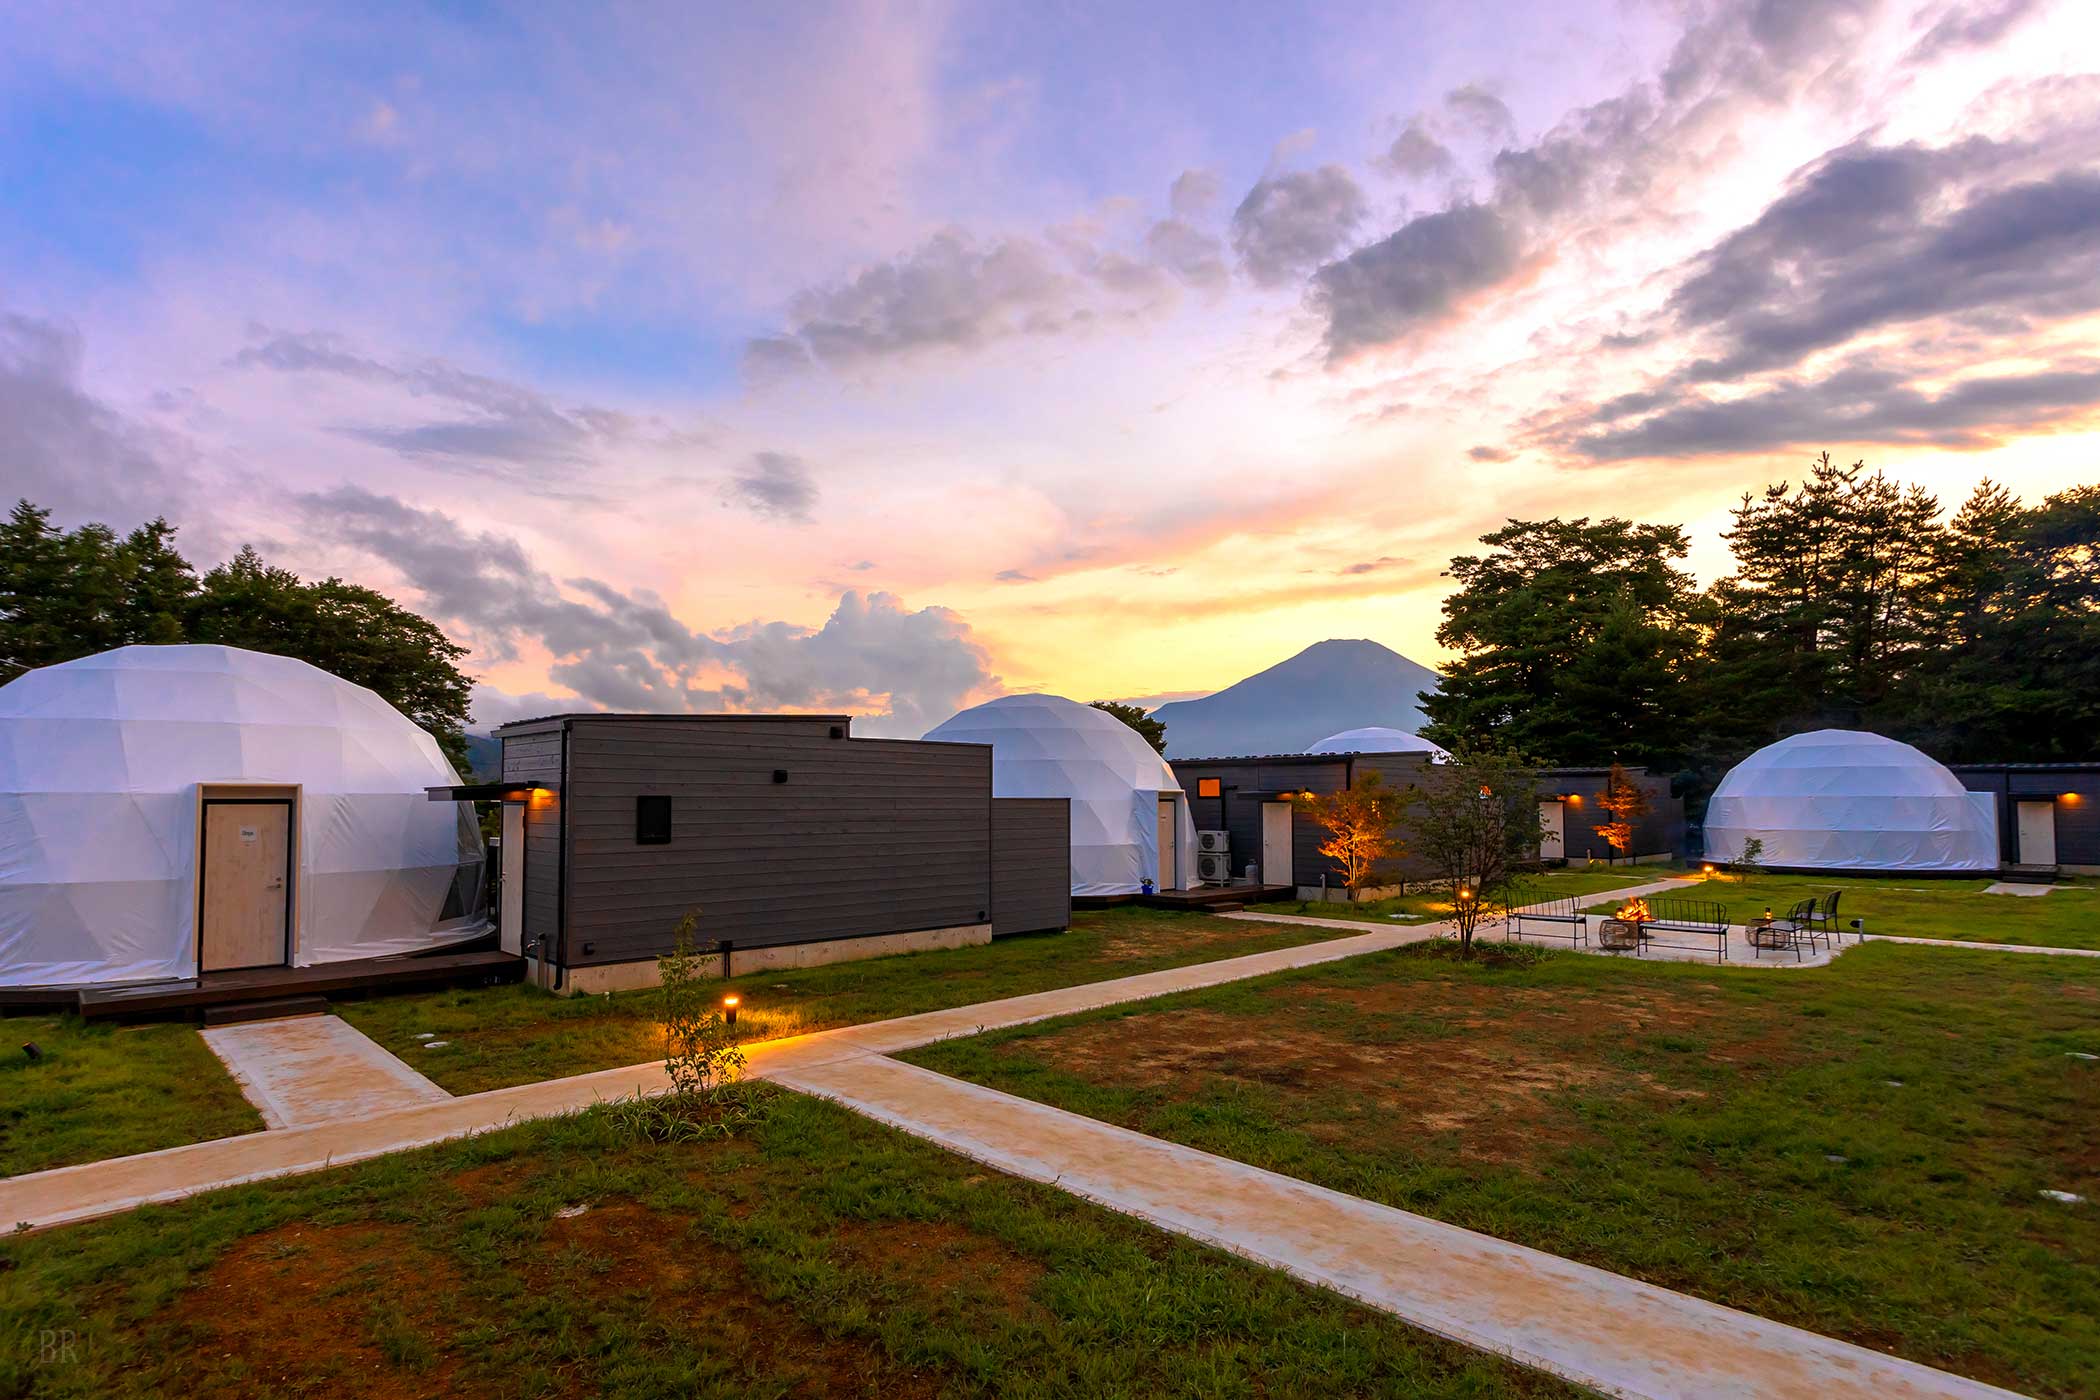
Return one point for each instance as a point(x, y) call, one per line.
point(1214, 867)
point(1217, 841)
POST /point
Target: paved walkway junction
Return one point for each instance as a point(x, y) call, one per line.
point(1614, 1334)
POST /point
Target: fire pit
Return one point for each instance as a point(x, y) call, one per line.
point(1623, 929)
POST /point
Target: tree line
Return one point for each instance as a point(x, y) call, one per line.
point(72, 593)
point(1853, 603)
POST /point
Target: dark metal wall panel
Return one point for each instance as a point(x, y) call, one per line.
point(866, 836)
point(1238, 812)
point(1660, 832)
point(2076, 788)
point(1031, 864)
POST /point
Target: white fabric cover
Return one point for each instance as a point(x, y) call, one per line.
point(100, 761)
point(1048, 746)
point(1377, 739)
point(1839, 799)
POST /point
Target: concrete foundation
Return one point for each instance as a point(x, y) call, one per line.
point(634, 976)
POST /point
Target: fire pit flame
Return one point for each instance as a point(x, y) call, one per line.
point(1635, 911)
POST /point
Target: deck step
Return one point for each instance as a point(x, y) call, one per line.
point(193, 996)
point(265, 1010)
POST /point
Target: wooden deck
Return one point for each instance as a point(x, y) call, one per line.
point(193, 996)
point(1211, 898)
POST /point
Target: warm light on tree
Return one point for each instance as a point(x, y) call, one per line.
point(1627, 802)
point(1358, 821)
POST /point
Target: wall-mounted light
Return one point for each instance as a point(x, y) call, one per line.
point(729, 1005)
point(2069, 799)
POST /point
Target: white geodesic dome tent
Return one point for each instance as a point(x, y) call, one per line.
point(106, 762)
point(1048, 746)
point(1377, 739)
point(1841, 799)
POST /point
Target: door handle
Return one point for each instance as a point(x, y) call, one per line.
point(276, 883)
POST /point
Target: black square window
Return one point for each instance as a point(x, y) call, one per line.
point(652, 821)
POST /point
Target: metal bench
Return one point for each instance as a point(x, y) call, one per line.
point(1698, 919)
point(1563, 914)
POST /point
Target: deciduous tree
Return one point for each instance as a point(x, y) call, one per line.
point(1153, 731)
point(1358, 820)
point(1475, 822)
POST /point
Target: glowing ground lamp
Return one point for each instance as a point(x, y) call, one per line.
point(729, 1006)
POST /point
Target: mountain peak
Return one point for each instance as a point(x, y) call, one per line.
point(1333, 685)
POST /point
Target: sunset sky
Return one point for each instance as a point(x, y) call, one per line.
point(886, 357)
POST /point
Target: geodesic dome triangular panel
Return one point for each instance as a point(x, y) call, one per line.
point(1840, 799)
point(1378, 739)
point(1048, 746)
point(100, 764)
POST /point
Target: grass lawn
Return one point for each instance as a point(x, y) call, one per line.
point(1858, 1150)
point(104, 1091)
point(1435, 904)
point(818, 1254)
point(499, 1036)
point(2067, 917)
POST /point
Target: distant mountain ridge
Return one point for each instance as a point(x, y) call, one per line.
point(484, 757)
point(1330, 686)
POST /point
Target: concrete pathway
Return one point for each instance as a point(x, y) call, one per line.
point(64, 1195)
point(316, 1069)
point(1598, 1329)
point(2014, 887)
point(1986, 947)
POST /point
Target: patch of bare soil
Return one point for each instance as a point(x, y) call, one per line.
point(623, 1252)
point(943, 1261)
point(1167, 940)
point(1497, 1080)
point(292, 1311)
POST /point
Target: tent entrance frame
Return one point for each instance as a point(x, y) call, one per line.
point(288, 796)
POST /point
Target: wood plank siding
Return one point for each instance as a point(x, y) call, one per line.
point(1031, 864)
point(865, 836)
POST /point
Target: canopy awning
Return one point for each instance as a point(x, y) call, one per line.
point(489, 792)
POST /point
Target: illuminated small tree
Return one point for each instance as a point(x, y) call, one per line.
point(1359, 822)
point(1627, 802)
point(1475, 821)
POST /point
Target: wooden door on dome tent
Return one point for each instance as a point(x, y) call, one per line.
point(244, 884)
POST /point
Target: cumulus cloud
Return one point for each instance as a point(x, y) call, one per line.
point(1858, 403)
point(1289, 222)
point(1879, 236)
point(624, 649)
point(1911, 249)
point(1194, 193)
point(1475, 107)
point(1971, 26)
point(951, 292)
point(493, 426)
point(775, 485)
point(957, 291)
point(1603, 163)
point(1415, 152)
point(1196, 257)
point(65, 449)
point(1417, 274)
